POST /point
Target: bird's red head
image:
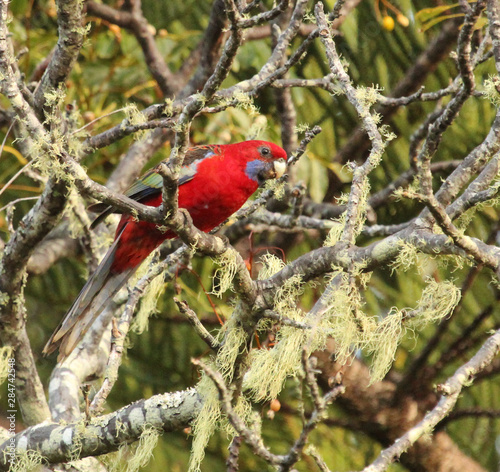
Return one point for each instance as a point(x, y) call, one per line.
point(261, 160)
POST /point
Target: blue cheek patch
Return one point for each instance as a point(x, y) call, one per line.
point(253, 168)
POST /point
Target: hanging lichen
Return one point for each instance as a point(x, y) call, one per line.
point(277, 186)
point(134, 117)
point(407, 256)
point(342, 316)
point(271, 367)
point(224, 275)
point(232, 337)
point(205, 423)
point(149, 299)
point(382, 342)
point(438, 300)
point(5, 355)
point(465, 219)
point(26, 461)
point(491, 90)
point(131, 458)
point(335, 233)
point(270, 265)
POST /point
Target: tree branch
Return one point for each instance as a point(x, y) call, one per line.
point(55, 443)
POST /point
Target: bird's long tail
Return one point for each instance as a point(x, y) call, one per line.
point(95, 295)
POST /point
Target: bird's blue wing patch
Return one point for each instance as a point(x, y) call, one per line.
point(151, 183)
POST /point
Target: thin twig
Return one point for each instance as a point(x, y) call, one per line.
point(196, 324)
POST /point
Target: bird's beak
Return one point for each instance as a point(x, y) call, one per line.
point(271, 170)
point(279, 167)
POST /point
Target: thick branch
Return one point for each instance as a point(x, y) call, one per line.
point(165, 412)
point(69, 43)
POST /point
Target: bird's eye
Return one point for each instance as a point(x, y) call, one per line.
point(265, 151)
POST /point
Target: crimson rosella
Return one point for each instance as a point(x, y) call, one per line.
point(215, 181)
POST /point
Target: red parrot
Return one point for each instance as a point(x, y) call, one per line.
point(215, 181)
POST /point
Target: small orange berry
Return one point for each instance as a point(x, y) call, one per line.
point(388, 23)
point(403, 20)
point(275, 405)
